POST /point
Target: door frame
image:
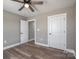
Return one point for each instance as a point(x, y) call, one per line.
point(34, 28)
point(48, 27)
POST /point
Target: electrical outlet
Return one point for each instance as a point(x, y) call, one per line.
point(5, 41)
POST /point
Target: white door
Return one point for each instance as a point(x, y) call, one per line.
point(24, 31)
point(57, 31)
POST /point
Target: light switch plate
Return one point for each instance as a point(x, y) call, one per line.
point(38, 29)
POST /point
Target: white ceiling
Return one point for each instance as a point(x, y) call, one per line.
point(49, 5)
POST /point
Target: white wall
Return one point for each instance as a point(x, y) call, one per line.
point(11, 28)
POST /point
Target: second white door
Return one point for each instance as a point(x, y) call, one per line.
point(24, 31)
point(57, 31)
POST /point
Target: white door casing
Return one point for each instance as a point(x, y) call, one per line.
point(57, 31)
point(23, 31)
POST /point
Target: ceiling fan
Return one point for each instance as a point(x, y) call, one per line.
point(29, 4)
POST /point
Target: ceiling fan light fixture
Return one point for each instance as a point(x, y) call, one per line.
point(26, 5)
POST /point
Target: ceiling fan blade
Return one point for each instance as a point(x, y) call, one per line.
point(30, 7)
point(34, 6)
point(18, 1)
point(21, 8)
point(28, 1)
point(37, 2)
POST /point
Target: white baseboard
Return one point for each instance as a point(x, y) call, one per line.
point(7, 47)
point(71, 51)
point(41, 44)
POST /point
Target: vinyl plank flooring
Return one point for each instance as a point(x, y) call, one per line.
point(33, 51)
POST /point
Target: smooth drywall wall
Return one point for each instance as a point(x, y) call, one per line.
point(71, 28)
point(11, 28)
point(42, 25)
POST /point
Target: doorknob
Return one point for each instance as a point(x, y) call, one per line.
point(50, 33)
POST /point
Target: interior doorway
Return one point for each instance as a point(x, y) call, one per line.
point(32, 30)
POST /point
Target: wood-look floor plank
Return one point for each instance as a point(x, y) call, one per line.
point(32, 51)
